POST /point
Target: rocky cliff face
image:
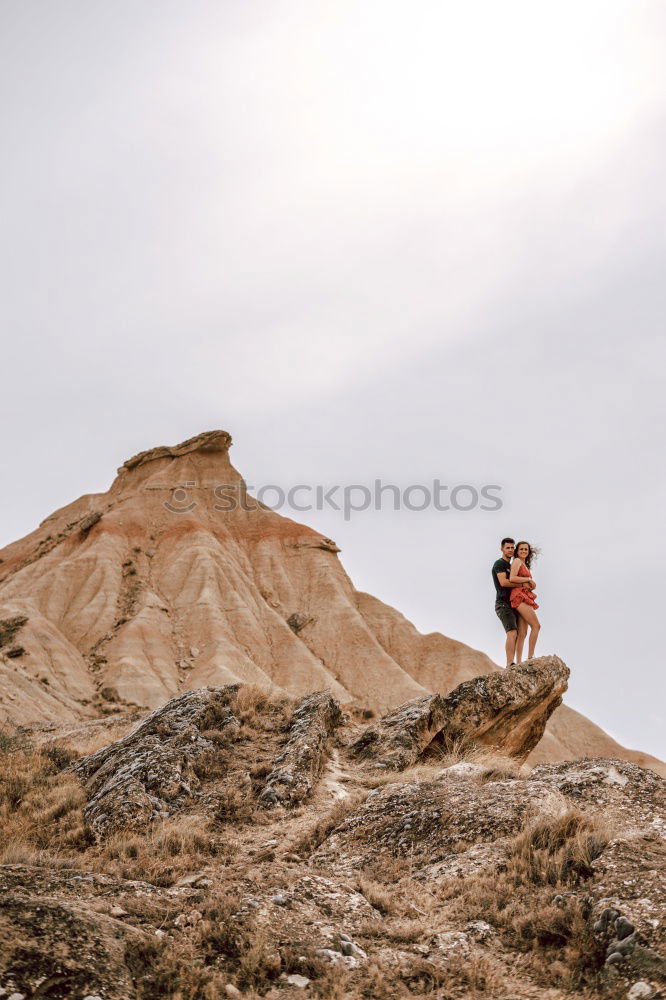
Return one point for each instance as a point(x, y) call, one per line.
point(176, 578)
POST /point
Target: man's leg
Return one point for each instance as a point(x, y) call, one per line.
point(511, 646)
point(507, 616)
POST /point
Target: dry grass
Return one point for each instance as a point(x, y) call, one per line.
point(474, 978)
point(499, 769)
point(314, 834)
point(478, 976)
point(497, 766)
point(222, 948)
point(260, 709)
point(233, 804)
point(41, 822)
point(419, 772)
point(236, 768)
point(17, 853)
point(382, 897)
point(167, 850)
point(459, 750)
point(558, 851)
point(8, 740)
point(90, 738)
point(41, 804)
point(390, 887)
point(546, 860)
point(41, 810)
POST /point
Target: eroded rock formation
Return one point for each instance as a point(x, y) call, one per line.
point(86, 952)
point(176, 578)
point(151, 772)
point(300, 764)
point(431, 820)
point(508, 710)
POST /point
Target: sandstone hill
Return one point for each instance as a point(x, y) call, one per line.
point(234, 843)
point(177, 578)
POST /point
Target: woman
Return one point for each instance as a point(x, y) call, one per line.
point(523, 599)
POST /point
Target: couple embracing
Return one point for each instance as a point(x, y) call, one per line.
point(515, 599)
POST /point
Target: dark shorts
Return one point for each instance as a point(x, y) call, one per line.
point(506, 615)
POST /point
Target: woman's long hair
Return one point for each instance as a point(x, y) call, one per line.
point(532, 554)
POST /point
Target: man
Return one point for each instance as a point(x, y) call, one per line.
point(503, 586)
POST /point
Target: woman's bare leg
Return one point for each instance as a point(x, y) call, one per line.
point(528, 615)
point(520, 641)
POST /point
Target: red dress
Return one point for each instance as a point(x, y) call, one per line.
point(520, 595)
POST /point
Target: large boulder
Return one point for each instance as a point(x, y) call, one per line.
point(435, 820)
point(630, 797)
point(299, 765)
point(630, 876)
point(65, 949)
point(150, 772)
point(507, 710)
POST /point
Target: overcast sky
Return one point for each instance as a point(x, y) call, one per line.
point(383, 239)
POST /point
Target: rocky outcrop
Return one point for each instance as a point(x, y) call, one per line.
point(150, 773)
point(630, 796)
point(629, 890)
point(64, 949)
point(9, 628)
point(208, 441)
point(508, 710)
point(430, 821)
point(299, 765)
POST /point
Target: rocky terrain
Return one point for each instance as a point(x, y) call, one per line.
point(176, 578)
point(237, 842)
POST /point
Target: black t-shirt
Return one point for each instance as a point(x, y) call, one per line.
point(501, 593)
